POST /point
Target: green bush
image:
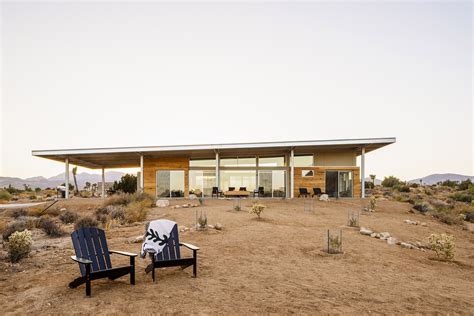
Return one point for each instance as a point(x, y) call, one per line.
point(464, 185)
point(462, 197)
point(402, 188)
point(127, 184)
point(448, 183)
point(390, 182)
point(19, 245)
point(85, 221)
point(5, 195)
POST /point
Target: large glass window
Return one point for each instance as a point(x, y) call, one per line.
point(339, 183)
point(239, 162)
point(170, 183)
point(271, 161)
point(202, 163)
point(304, 161)
point(201, 182)
point(273, 182)
point(238, 179)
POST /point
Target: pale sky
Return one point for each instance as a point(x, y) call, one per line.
point(77, 75)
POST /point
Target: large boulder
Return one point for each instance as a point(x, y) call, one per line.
point(391, 241)
point(162, 203)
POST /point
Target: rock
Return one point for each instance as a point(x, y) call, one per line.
point(62, 209)
point(186, 205)
point(406, 245)
point(423, 224)
point(218, 226)
point(410, 222)
point(324, 197)
point(365, 231)
point(384, 235)
point(373, 235)
point(138, 239)
point(192, 196)
point(391, 241)
point(177, 206)
point(210, 226)
point(162, 203)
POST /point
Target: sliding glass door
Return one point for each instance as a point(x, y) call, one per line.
point(170, 183)
point(201, 182)
point(339, 183)
point(273, 182)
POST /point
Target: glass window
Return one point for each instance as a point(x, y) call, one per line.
point(202, 163)
point(170, 183)
point(304, 161)
point(239, 162)
point(271, 161)
point(201, 182)
point(272, 182)
point(307, 173)
point(238, 179)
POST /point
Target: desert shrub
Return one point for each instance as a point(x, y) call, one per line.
point(257, 209)
point(53, 211)
point(464, 185)
point(443, 245)
point(15, 213)
point(35, 211)
point(334, 244)
point(440, 204)
point(414, 185)
point(5, 195)
point(237, 208)
point(50, 227)
point(32, 197)
point(118, 199)
point(462, 197)
point(448, 183)
point(16, 226)
point(136, 212)
point(372, 204)
point(118, 214)
point(390, 182)
point(202, 221)
point(448, 218)
point(19, 245)
point(127, 184)
point(147, 199)
point(369, 184)
point(86, 221)
point(423, 207)
point(3, 226)
point(68, 217)
point(30, 221)
point(402, 188)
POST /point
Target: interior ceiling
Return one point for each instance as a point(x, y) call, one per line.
point(132, 159)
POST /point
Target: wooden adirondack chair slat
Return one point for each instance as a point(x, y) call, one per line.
point(98, 249)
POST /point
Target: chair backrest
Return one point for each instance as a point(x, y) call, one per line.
point(231, 188)
point(261, 190)
point(243, 189)
point(171, 250)
point(317, 191)
point(215, 190)
point(90, 243)
point(303, 191)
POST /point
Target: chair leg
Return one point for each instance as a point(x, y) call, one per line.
point(132, 270)
point(195, 263)
point(153, 267)
point(88, 280)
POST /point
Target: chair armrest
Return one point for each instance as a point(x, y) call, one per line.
point(123, 253)
point(189, 246)
point(81, 260)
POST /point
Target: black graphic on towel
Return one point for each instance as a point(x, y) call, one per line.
point(153, 235)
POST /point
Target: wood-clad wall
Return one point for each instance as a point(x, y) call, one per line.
point(151, 165)
point(319, 178)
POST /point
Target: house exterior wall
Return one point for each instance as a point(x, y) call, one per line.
point(151, 165)
point(319, 178)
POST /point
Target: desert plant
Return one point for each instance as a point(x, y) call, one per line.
point(127, 184)
point(464, 185)
point(443, 245)
point(448, 183)
point(15, 213)
point(372, 204)
point(201, 201)
point(390, 182)
point(118, 213)
point(257, 209)
point(402, 188)
point(334, 242)
point(202, 221)
point(118, 199)
point(353, 219)
point(50, 227)
point(68, 217)
point(423, 207)
point(462, 197)
point(237, 208)
point(19, 245)
point(86, 221)
point(136, 212)
point(5, 195)
point(147, 199)
point(448, 218)
point(16, 226)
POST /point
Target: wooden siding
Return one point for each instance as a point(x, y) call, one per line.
point(151, 165)
point(319, 178)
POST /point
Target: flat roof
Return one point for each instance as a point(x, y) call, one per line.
point(127, 157)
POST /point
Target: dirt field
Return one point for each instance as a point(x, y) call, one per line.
point(272, 265)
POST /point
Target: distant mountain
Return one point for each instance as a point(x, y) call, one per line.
point(42, 182)
point(440, 177)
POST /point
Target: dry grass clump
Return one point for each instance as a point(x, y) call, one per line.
point(423, 207)
point(126, 198)
point(136, 211)
point(50, 227)
point(86, 221)
point(15, 213)
point(68, 217)
point(16, 226)
point(39, 211)
point(19, 245)
point(5, 195)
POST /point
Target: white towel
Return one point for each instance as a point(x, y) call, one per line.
point(156, 236)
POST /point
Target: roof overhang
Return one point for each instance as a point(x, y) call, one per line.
point(128, 157)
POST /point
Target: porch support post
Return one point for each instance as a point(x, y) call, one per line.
point(292, 178)
point(142, 178)
point(66, 178)
point(362, 172)
point(217, 170)
point(103, 183)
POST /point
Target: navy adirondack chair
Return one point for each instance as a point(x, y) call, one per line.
point(170, 256)
point(93, 257)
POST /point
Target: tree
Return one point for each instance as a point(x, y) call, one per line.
point(74, 172)
point(127, 184)
point(27, 187)
point(372, 177)
point(87, 186)
point(71, 186)
point(37, 190)
point(390, 182)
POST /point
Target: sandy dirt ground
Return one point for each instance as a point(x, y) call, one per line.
point(272, 265)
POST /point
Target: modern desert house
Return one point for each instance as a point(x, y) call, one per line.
point(268, 169)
